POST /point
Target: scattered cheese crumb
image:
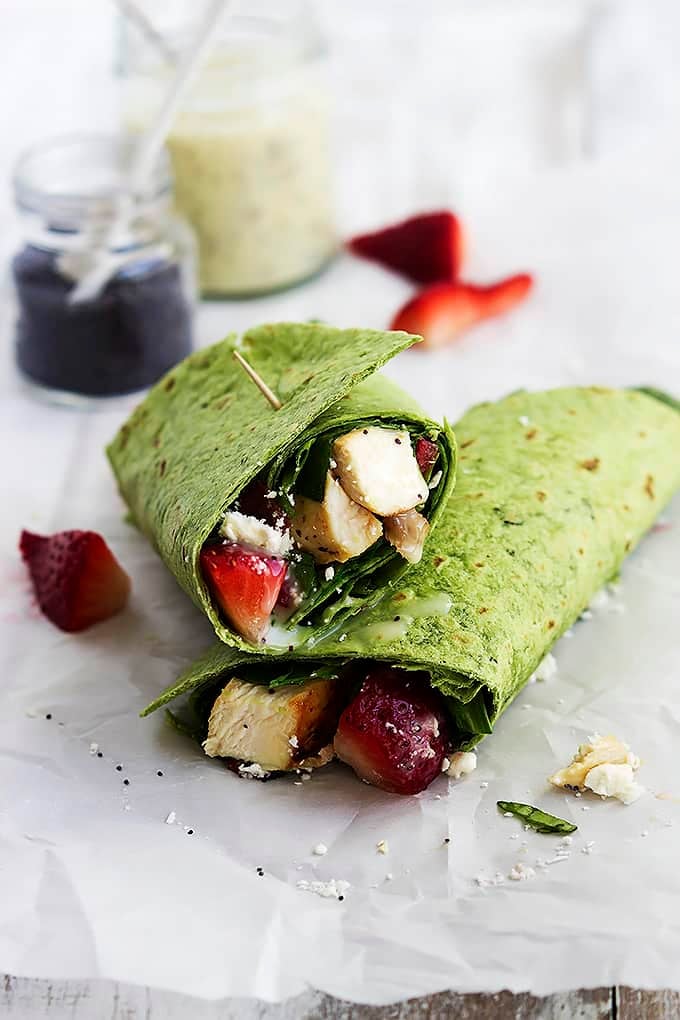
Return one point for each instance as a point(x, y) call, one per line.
point(523, 420)
point(586, 615)
point(293, 741)
point(567, 840)
point(382, 847)
point(435, 480)
point(250, 531)
point(521, 872)
point(333, 889)
point(170, 820)
point(547, 669)
point(604, 765)
point(329, 573)
point(462, 764)
point(389, 876)
point(253, 771)
point(320, 849)
point(484, 786)
point(94, 748)
point(445, 764)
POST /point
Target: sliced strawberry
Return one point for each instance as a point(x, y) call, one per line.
point(425, 248)
point(394, 731)
point(76, 578)
point(427, 455)
point(442, 312)
point(245, 584)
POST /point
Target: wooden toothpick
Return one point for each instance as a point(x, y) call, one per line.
point(259, 381)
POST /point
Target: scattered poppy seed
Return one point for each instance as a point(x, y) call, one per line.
point(100, 754)
point(159, 773)
point(447, 839)
point(341, 898)
point(49, 715)
point(119, 768)
point(398, 441)
point(126, 782)
point(365, 432)
point(190, 832)
point(397, 619)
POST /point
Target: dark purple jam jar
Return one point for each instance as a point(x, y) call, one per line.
point(138, 322)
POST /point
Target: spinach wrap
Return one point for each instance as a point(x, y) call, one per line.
point(554, 490)
point(282, 523)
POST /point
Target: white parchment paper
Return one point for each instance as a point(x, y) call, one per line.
point(94, 879)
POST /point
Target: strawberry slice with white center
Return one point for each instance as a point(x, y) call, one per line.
point(394, 731)
point(441, 313)
point(76, 578)
point(426, 248)
point(245, 584)
point(427, 455)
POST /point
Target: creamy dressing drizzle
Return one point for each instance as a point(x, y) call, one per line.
point(405, 611)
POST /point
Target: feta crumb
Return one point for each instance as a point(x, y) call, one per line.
point(644, 833)
point(484, 786)
point(389, 876)
point(521, 872)
point(333, 889)
point(329, 573)
point(445, 764)
point(171, 818)
point(462, 764)
point(382, 846)
point(547, 669)
point(604, 765)
point(567, 840)
point(253, 771)
point(293, 741)
point(586, 615)
point(343, 637)
point(94, 748)
point(272, 494)
point(320, 850)
point(616, 780)
point(523, 420)
point(250, 531)
point(332, 464)
point(435, 480)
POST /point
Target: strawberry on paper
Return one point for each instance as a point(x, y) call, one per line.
point(246, 584)
point(76, 578)
point(426, 248)
point(441, 313)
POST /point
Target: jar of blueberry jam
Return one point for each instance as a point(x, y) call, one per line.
point(138, 323)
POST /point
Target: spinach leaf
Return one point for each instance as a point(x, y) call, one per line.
point(472, 717)
point(539, 820)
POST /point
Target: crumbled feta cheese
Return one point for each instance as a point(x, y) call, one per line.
point(171, 818)
point(523, 420)
point(320, 849)
point(462, 764)
point(250, 531)
point(333, 889)
point(445, 764)
point(382, 846)
point(94, 748)
point(329, 573)
point(567, 840)
point(435, 480)
point(293, 741)
point(389, 876)
point(272, 494)
point(547, 669)
point(586, 615)
point(618, 781)
point(604, 765)
point(253, 771)
point(521, 872)
point(484, 786)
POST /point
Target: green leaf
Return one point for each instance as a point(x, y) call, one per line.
point(539, 820)
point(472, 717)
point(665, 398)
point(311, 482)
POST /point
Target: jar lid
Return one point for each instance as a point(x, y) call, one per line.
point(68, 179)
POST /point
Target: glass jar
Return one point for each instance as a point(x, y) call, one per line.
point(139, 324)
point(250, 146)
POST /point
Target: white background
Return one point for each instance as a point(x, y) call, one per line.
point(551, 128)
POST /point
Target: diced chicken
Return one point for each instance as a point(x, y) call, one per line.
point(278, 730)
point(335, 530)
point(256, 534)
point(407, 533)
point(378, 469)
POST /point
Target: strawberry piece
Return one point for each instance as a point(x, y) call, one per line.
point(394, 732)
point(442, 312)
point(76, 578)
point(427, 455)
point(425, 248)
point(245, 584)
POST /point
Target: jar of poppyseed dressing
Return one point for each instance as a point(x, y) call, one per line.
point(138, 324)
point(250, 145)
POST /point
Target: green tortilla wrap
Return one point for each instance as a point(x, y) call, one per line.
point(205, 432)
point(554, 490)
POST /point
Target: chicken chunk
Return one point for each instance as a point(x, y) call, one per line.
point(407, 533)
point(378, 469)
point(335, 530)
point(278, 730)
